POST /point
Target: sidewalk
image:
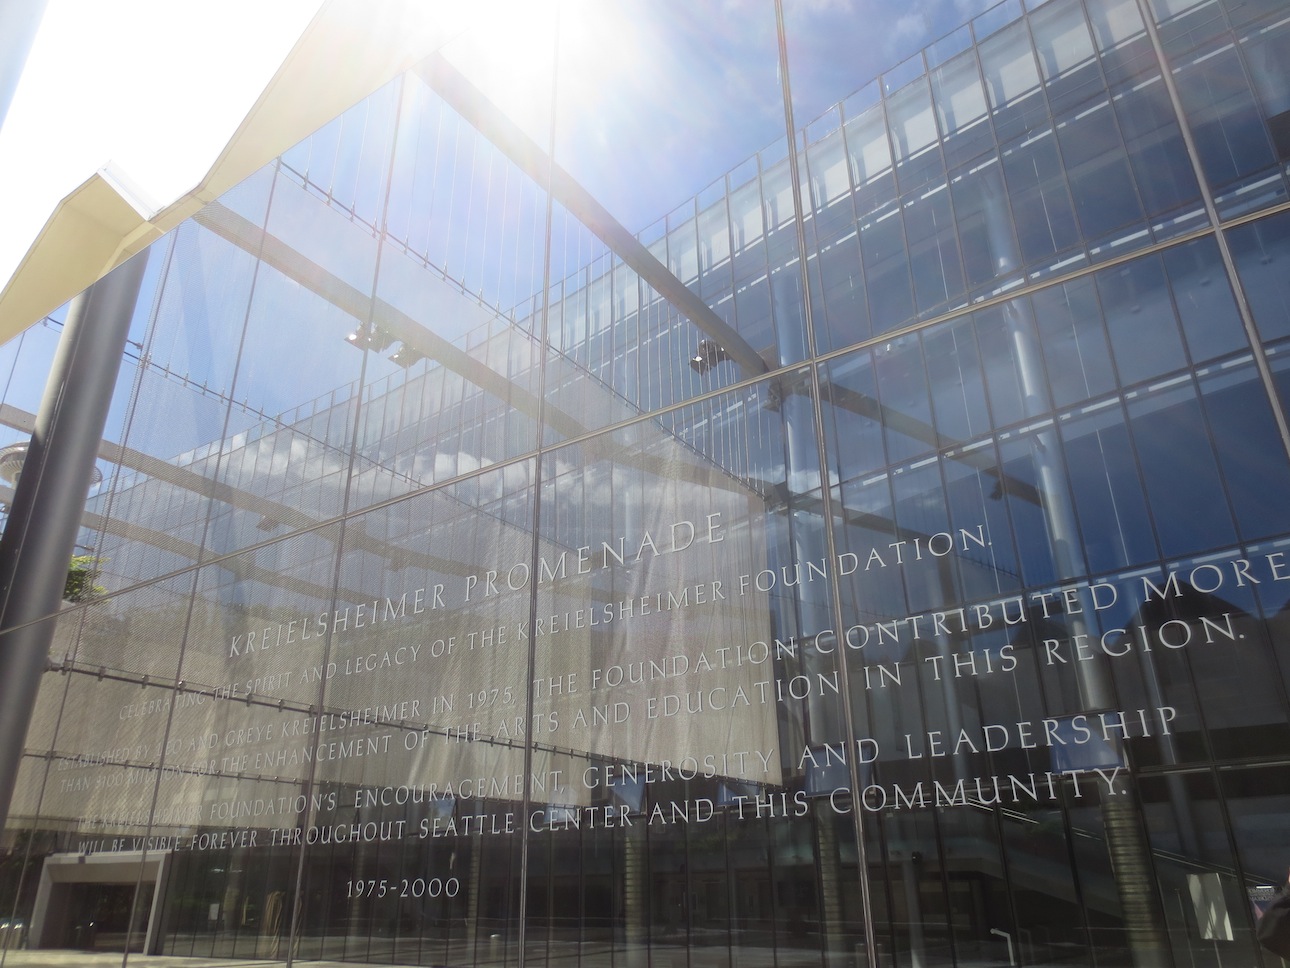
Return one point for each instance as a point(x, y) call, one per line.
point(86, 959)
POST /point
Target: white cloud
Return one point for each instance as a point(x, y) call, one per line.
point(909, 29)
point(970, 8)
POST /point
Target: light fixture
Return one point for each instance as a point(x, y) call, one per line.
point(406, 355)
point(708, 356)
point(371, 337)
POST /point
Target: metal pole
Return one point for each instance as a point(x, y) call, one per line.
point(49, 499)
point(1126, 844)
point(829, 520)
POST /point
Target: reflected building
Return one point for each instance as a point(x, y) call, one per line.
point(891, 571)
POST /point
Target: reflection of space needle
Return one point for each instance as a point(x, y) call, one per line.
point(14, 456)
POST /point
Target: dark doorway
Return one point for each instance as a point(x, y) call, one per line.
point(99, 917)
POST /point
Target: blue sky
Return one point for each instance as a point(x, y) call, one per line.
point(682, 92)
point(148, 86)
point(659, 97)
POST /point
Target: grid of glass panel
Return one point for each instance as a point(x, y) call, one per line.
point(883, 569)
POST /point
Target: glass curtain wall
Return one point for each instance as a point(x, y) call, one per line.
point(630, 493)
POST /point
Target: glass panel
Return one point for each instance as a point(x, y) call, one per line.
point(745, 215)
point(984, 224)
point(996, 17)
point(1262, 253)
point(902, 388)
point(1042, 212)
point(472, 587)
point(855, 416)
point(1114, 21)
point(829, 178)
point(1012, 80)
point(1165, 9)
point(1074, 342)
point(1205, 305)
point(1108, 495)
point(1100, 179)
point(961, 109)
point(714, 241)
point(882, 247)
point(933, 252)
point(1155, 149)
point(1185, 24)
point(909, 115)
point(263, 451)
point(1140, 320)
point(840, 299)
point(1180, 471)
point(1254, 795)
point(954, 375)
point(1266, 56)
point(1036, 495)
point(868, 145)
point(777, 194)
point(1230, 136)
point(1250, 450)
point(1062, 39)
point(1065, 51)
point(960, 99)
point(1013, 370)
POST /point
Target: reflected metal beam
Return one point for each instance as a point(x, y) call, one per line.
point(241, 568)
point(284, 514)
point(864, 405)
point(414, 335)
point(256, 241)
point(480, 113)
point(239, 565)
point(354, 537)
point(723, 341)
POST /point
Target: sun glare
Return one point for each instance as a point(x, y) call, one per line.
point(508, 53)
point(154, 87)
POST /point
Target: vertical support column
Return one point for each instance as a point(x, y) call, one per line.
point(50, 499)
point(830, 880)
point(849, 715)
point(1126, 842)
point(472, 892)
point(909, 876)
point(634, 888)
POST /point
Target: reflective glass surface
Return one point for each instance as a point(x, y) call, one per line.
point(788, 484)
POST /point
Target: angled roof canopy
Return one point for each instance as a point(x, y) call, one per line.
point(102, 223)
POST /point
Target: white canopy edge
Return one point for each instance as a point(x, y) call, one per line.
point(349, 49)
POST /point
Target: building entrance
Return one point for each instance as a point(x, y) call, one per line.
point(87, 902)
point(99, 917)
